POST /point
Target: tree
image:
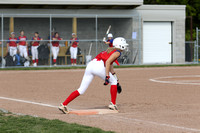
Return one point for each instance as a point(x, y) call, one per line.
point(192, 9)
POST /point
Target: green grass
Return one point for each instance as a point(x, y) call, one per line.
point(83, 67)
point(11, 123)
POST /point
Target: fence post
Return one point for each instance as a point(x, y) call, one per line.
point(197, 41)
point(2, 40)
point(50, 41)
point(140, 40)
point(96, 34)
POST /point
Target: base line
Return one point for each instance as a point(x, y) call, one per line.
point(30, 102)
point(117, 117)
point(155, 123)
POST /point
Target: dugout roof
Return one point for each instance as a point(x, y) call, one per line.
point(70, 4)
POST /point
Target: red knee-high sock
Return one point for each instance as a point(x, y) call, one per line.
point(37, 61)
point(72, 61)
point(33, 61)
point(54, 60)
point(71, 97)
point(113, 92)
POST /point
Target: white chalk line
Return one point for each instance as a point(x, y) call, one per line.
point(156, 123)
point(113, 116)
point(81, 70)
point(158, 80)
point(30, 102)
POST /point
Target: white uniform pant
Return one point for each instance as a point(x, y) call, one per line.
point(73, 52)
point(34, 52)
point(12, 51)
point(23, 51)
point(55, 51)
point(95, 68)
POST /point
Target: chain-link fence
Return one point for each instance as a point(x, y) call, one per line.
point(197, 43)
point(91, 29)
point(192, 52)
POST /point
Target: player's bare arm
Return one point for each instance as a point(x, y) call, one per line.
point(113, 57)
point(33, 41)
point(112, 69)
point(107, 43)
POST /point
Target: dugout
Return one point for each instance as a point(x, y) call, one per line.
point(156, 33)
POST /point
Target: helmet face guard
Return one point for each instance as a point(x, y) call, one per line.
point(124, 48)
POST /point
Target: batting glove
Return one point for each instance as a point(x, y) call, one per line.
point(104, 39)
point(107, 80)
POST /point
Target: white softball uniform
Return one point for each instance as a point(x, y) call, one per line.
point(73, 52)
point(95, 68)
point(12, 51)
point(34, 52)
point(23, 51)
point(55, 51)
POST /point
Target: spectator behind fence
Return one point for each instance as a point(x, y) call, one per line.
point(12, 45)
point(55, 46)
point(74, 48)
point(23, 45)
point(34, 48)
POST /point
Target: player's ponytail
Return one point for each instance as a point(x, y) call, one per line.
point(110, 49)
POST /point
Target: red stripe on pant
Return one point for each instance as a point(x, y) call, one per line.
point(73, 61)
point(113, 92)
point(54, 60)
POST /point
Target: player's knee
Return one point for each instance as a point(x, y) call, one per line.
point(81, 91)
point(113, 82)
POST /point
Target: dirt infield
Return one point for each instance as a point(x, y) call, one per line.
point(154, 100)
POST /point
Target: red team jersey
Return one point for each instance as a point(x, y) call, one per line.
point(22, 40)
point(75, 43)
point(12, 42)
point(104, 56)
point(36, 43)
point(111, 42)
point(56, 43)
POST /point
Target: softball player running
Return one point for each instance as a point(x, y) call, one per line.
point(101, 66)
point(109, 42)
point(23, 45)
point(12, 45)
point(74, 48)
point(55, 46)
point(34, 48)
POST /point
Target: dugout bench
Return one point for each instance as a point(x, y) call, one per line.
point(4, 51)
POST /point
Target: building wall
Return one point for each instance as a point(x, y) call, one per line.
point(174, 14)
point(123, 22)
